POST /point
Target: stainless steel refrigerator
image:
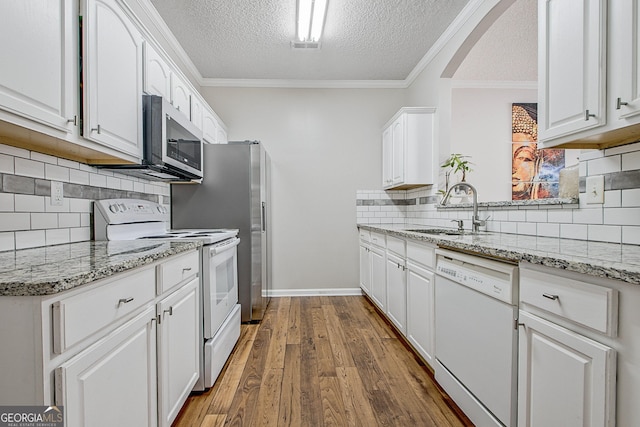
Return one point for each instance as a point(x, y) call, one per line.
point(234, 194)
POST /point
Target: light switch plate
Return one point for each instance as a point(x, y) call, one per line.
point(595, 189)
point(57, 193)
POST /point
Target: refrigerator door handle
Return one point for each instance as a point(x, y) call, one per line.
point(264, 218)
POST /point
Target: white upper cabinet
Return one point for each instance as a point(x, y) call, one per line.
point(588, 71)
point(180, 95)
point(38, 77)
point(407, 149)
point(112, 68)
point(209, 127)
point(157, 73)
point(197, 110)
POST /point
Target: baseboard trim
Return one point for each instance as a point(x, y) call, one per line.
point(334, 292)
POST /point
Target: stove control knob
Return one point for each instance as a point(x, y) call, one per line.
point(114, 208)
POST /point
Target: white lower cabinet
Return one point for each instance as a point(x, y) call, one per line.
point(378, 278)
point(113, 382)
point(397, 292)
point(565, 379)
point(178, 349)
point(421, 310)
point(365, 268)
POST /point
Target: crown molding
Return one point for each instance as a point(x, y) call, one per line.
point(306, 84)
point(493, 84)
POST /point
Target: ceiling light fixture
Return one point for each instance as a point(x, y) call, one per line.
point(311, 14)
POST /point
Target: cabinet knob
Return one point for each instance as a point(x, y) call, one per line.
point(96, 129)
point(620, 103)
point(587, 115)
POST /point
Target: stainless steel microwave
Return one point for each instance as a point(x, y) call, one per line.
point(172, 145)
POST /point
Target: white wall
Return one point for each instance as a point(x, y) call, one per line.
point(324, 145)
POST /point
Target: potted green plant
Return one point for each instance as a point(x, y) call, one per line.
point(456, 163)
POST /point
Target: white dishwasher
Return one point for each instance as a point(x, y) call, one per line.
point(476, 304)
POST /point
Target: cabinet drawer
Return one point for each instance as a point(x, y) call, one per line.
point(377, 239)
point(365, 236)
point(177, 270)
point(396, 245)
point(79, 316)
point(586, 304)
point(421, 253)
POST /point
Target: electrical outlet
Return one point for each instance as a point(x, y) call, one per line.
point(595, 189)
point(57, 193)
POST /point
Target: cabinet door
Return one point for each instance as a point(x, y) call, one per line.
point(625, 33)
point(112, 67)
point(180, 95)
point(378, 279)
point(571, 66)
point(365, 270)
point(397, 292)
point(209, 127)
point(113, 382)
point(179, 349)
point(39, 70)
point(387, 157)
point(564, 379)
point(398, 147)
point(221, 135)
point(197, 107)
point(157, 74)
point(420, 311)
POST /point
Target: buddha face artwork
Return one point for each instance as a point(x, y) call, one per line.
point(534, 173)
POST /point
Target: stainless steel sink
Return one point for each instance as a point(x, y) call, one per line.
point(438, 231)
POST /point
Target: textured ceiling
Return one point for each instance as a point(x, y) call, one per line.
point(362, 39)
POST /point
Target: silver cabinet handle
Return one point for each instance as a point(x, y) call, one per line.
point(170, 311)
point(551, 297)
point(186, 269)
point(124, 301)
point(75, 120)
point(96, 129)
point(620, 103)
point(587, 115)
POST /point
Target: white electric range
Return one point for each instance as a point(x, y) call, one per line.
point(132, 219)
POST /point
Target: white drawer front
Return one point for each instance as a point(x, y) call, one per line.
point(586, 304)
point(177, 270)
point(421, 253)
point(377, 239)
point(365, 236)
point(396, 245)
point(81, 315)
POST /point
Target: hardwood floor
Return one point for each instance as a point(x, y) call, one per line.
point(321, 361)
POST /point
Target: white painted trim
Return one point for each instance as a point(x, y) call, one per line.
point(493, 84)
point(306, 84)
point(277, 293)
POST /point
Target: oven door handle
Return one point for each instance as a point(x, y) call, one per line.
point(219, 249)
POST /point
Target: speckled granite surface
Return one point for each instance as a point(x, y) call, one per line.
point(608, 260)
point(52, 269)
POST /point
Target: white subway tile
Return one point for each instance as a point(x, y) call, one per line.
point(562, 216)
point(57, 236)
point(631, 198)
point(604, 165)
point(7, 202)
point(517, 215)
point(14, 221)
point(78, 177)
point(582, 169)
point(508, 227)
point(40, 221)
point(605, 233)
point(149, 188)
point(537, 216)
point(68, 163)
point(87, 168)
point(50, 208)
point(7, 241)
point(56, 173)
point(138, 186)
point(631, 235)
point(68, 220)
point(29, 203)
point(30, 239)
point(44, 158)
point(591, 154)
point(113, 182)
point(80, 234)
point(97, 180)
point(574, 231)
point(628, 148)
point(588, 216)
point(126, 185)
point(104, 172)
point(631, 161)
point(14, 151)
point(622, 216)
point(6, 164)
point(612, 199)
point(26, 167)
point(549, 229)
point(80, 205)
point(527, 228)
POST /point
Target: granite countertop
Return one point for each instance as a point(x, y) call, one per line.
point(52, 269)
point(608, 260)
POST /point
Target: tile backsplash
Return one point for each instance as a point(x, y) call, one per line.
point(617, 220)
point(27, 217)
